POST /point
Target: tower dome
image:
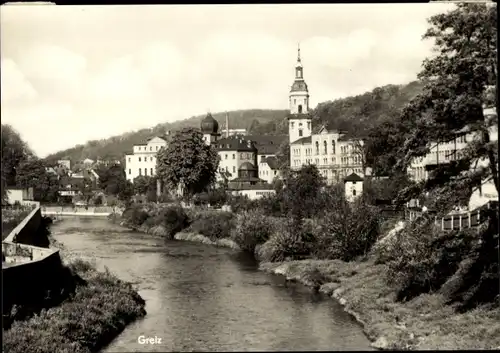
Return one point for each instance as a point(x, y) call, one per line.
point(209, 125)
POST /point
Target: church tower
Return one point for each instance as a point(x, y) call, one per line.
point(299, 120)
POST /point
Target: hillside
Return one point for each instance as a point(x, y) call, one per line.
point(356, 114)
point(115, 147)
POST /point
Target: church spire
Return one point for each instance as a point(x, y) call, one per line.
point(298, 52)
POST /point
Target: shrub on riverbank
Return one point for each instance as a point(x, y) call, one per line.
point(347, 232)
point(100, 308)
point(251, 229)
point(212, 224)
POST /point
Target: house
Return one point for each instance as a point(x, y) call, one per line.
point(248, 184)
point(142, 160)
point(444, 152)
point(88, 162)
point(268, 169)
point(353, 186)
point(22, 196)
point(66, 163)
point(483, 194)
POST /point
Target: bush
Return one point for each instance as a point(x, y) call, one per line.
point(215, 198)
point(348, 232)
point(173, 219)
point(424, 259)
point(213, 224)
point(289, 241)
point(252, 228)
point(135, 216)
point(241, 204)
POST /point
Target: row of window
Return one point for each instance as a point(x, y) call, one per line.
point(343, 161)
point(145, 148)
point(324, 150)
point(292, 125)
point(266, 172)
point(261, 193)
point(151, 171)
point(140, 159)
point(243, 155)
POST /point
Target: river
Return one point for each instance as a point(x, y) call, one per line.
point(204, 298)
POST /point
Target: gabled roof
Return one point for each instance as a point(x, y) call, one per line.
point(272, 162)
point(353, 177)
point(235, 143)
point(303, 140)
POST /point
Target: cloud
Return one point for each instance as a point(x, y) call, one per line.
point(90, 72)
point(15, 85)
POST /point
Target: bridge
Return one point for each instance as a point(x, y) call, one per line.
point(94, 211)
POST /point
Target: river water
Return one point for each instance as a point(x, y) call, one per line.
point(204, 298)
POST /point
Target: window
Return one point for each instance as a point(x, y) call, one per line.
point(300, 133)
point(151, 159)
point(157, 148)
point(325, 147)
point(234, 155)
point(225, 156)
point(139, 159)
point(130, 171)
point(129, 159)
point(300, 108)
point(317, 147)
point(333, 146)
point(294, 101)
point(145, 171)
point(150, 148)
point(309, 125)
point(140, 171)
point(234, 169)
point(353, 192)
point(292, 124)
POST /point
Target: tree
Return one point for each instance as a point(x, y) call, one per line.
point(187, 162)
point(14, 151)
point(142, 184)
point(112, 180)
point(32, 173)
point(283, 157)
point(302, 191)
point(457, 86)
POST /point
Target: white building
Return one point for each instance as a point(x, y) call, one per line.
point(445, 152)
point(232, 132)
point(142, 161)
point(66, 163)
point(353, 187)
point(335, 155)
point(268, 169)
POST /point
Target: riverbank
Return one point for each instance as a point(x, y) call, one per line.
point(424, 323)
point(97, 308)
point(101, 307)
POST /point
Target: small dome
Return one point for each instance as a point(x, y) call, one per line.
point(209, 125)
point(299, 86)
point(247, 166)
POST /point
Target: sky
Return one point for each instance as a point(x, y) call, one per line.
point(70, 74)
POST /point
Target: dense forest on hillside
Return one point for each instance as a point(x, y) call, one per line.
point(356, 115)
point(115, 147)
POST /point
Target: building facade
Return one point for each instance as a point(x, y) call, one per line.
point(447, 151)
point(142, 160)
point(333, 153)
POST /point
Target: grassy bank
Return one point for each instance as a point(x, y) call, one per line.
point(85, 312)
point(423, 323)
point(99, 309)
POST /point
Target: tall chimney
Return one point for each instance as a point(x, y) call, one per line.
point(227, 124)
